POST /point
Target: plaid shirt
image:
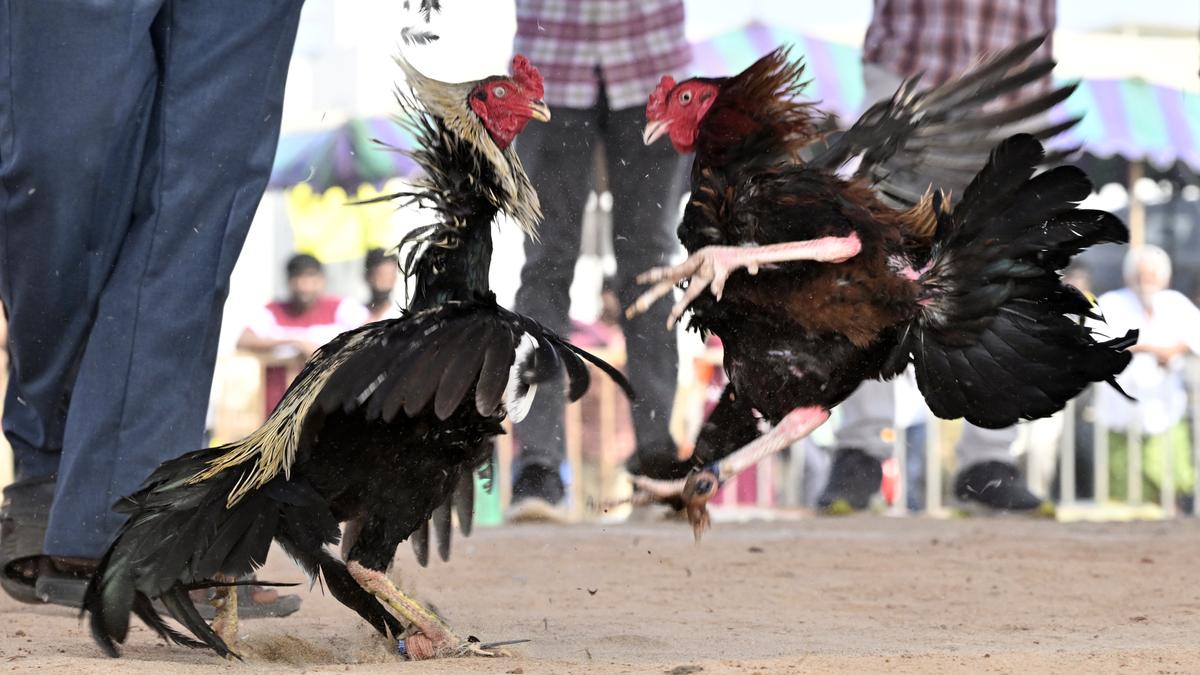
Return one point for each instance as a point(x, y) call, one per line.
point(944, 37)
point(631, 43)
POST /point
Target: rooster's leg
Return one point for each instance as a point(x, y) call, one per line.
point(712, 265)
point(701, 485)
point(441, 641)
point(225, 623)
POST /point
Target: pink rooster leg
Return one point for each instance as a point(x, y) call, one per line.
point(433, 638)
point(712, 265)
point(700, 486)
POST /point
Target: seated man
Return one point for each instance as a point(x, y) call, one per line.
point(290, 330)
point(381, 274)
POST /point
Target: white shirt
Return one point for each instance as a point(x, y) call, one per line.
point(1161, 397)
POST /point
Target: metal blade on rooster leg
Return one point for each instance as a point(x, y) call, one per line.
point(702, 484)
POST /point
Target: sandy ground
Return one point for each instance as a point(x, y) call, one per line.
point(861, 594)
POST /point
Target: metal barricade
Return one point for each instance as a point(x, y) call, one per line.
point(1066, 455)
point(1135, 459)
point(1135, 449)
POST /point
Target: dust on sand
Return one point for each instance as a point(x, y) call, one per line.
point(860, 594)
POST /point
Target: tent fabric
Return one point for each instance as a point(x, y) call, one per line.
point(1131, 118)
point(359, 152)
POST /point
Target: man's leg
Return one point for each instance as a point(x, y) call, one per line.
point(557, 157)
point(142, 389)
point(77, 83)
point(860, 447)
point(645, 215)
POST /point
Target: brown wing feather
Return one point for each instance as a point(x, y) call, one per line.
point(920, 222)
point(762, 106)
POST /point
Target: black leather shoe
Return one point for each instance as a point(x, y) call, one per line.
point(853, 480)
point(24, 514)
point(997, 485)
point(537, 495)
point(659, 461)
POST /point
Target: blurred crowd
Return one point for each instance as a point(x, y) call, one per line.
point(287, 331)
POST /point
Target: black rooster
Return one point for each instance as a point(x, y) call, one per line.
point(384, 426)
point(970, 293)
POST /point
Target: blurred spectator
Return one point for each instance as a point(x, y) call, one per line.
point(941, 39)
point(289, 331)
point(600, 58)
point(1169, 326)
point(605, 331)
point(1078, 275)
point(381, 274)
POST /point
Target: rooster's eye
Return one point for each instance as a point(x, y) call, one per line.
point(685, 97)
point(499, 92)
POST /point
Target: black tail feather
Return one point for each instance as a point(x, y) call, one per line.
point(999, 337)
point(182, 536)
point(144, 608)
point(179, 604)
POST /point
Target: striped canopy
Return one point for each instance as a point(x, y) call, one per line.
point(347, 156)
point(1131, 118)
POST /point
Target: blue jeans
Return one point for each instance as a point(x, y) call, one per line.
point(136, 139)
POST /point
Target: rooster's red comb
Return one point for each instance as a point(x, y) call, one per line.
point(656, 109)
point(527, 77)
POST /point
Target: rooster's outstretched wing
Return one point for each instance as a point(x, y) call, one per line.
point(941, 136)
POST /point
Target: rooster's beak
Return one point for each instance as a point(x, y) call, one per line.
point(655, 130)
point(540, 111)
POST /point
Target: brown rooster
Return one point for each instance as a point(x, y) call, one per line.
point(854, 278)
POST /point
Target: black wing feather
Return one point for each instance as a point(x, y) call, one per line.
point(464, 501)
point(493, 376)
point(943, 134)
point(443, 526)
point(999, 337)
point(420, 544)
point(465, 359)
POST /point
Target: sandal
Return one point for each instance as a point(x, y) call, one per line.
point(24, 515)
point(30, 576)
point(63, 581)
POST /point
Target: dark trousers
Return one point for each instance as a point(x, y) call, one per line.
point(643, 181)
point(136, 139)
